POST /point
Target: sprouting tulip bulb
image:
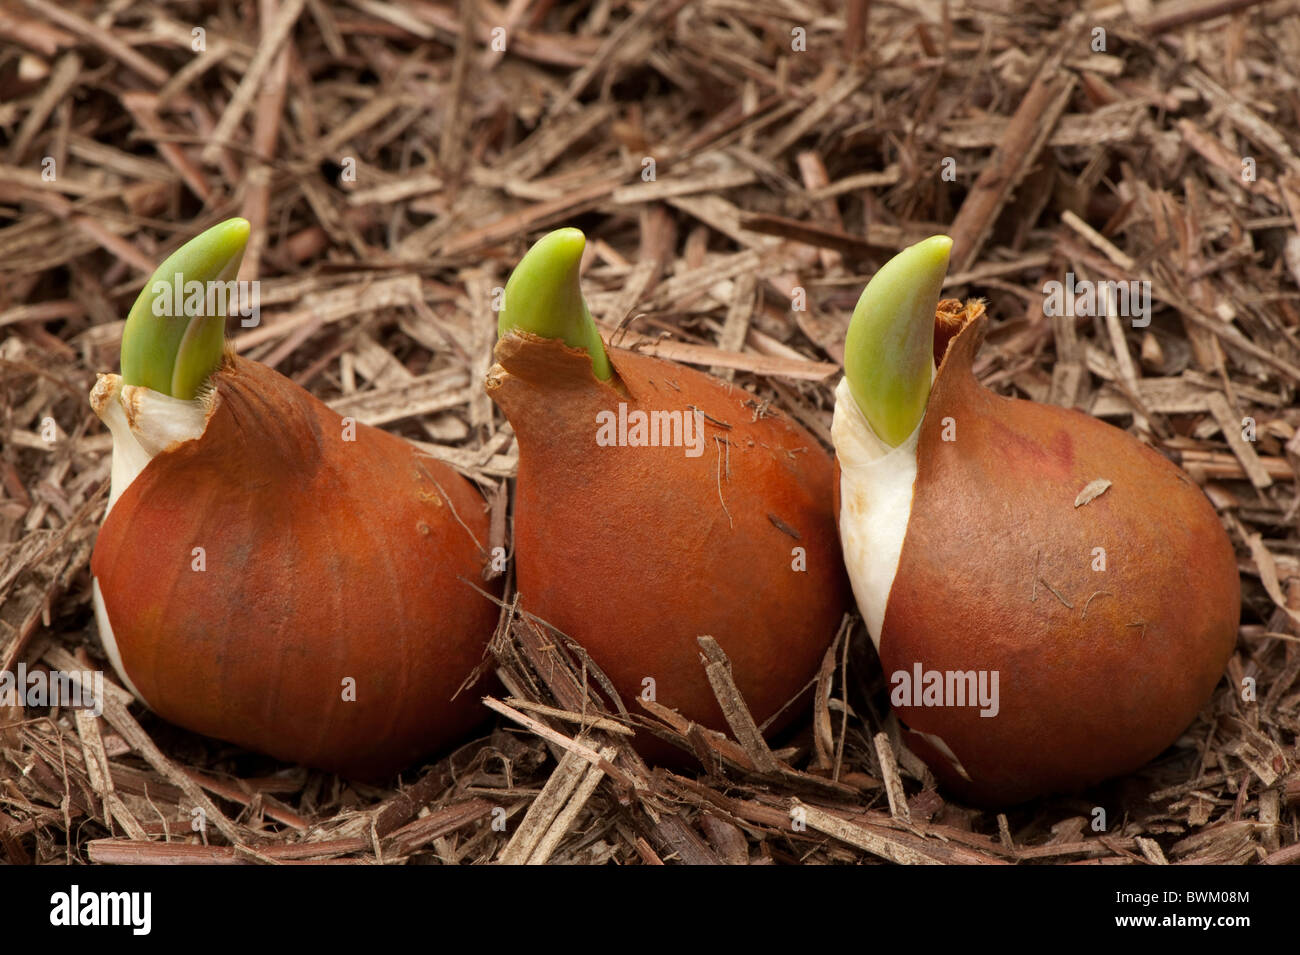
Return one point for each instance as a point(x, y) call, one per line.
point(968, 547)
point(171, 344)
point(889, 351)
point(221, 464)
point(544, 296)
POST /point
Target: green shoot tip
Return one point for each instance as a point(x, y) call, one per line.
point(889, 352)
point(175, 331)
point(544, 296)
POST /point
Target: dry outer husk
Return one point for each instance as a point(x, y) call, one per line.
point(637, 551)
point(1102, 657)
point(250, 573)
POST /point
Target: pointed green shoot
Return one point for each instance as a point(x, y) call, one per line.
point(544, 296)
point(171, 344)
point(889, 352)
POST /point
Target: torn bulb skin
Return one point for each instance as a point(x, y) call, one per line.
point(634, 544)
point(979, 544)
point(273, 575)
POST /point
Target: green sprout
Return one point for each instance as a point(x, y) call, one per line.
point(889, 352)
point(171, 344)
point(544, 296)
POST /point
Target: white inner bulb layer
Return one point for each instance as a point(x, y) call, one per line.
point(875, 505)
point(144, 423)
point(876, 485)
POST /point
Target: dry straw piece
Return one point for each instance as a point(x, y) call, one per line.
point(740, 169)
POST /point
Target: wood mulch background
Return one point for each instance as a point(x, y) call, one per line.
point(395, 165)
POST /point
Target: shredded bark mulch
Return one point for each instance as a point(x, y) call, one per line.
point(740, 169)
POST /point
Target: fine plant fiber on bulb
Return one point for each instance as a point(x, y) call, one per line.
point(269, 573)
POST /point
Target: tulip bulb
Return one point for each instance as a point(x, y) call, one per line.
point(269, 573)
point(1052, 601)
point(655, 504)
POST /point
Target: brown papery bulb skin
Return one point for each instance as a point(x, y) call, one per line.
point(636, 551)
point(325, 559)
point(1099, 669)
